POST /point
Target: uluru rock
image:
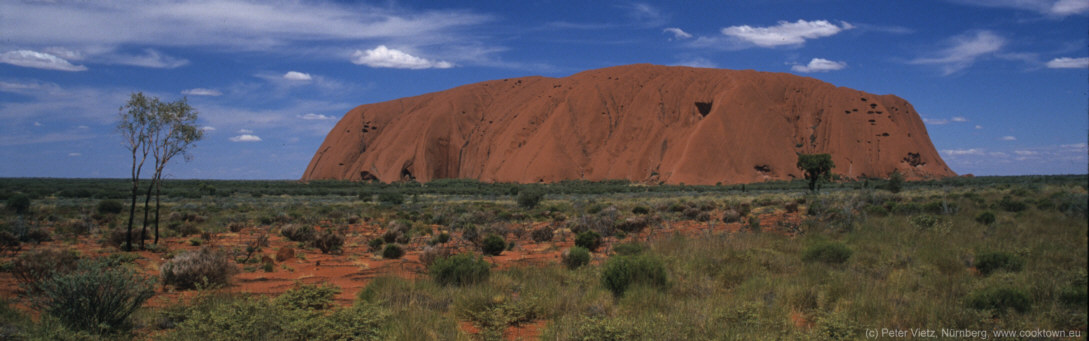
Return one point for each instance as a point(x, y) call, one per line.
point(643, 123)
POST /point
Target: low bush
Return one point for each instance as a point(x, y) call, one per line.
point(109, 206)
point(440, 238)
point(393, 251)
point(827, 252)
point(493, 245)
point(576, 257)
point(204, 268)
point(590, 240)
point(528, 199)
point(985, 218)
point(391, 198)
point(1009, 204)
point(33, 267)
point(541, 235)
point(96, 296)
point(298, 233)
point(999, 298)
point(621, 272)
point(924, 221)
point(461, 269)
point(328, 241)
point(309, 296)
point(261, 318)
point(640, 210)
point(629, 249)
point(20, 203)
point(989, 262)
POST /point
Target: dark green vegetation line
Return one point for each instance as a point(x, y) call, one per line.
point(37, 188)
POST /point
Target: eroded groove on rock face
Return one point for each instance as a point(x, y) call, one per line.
point(629, 122)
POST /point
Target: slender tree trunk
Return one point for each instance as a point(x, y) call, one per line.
point(132, 211)
point(147, 207)
point(158, 193)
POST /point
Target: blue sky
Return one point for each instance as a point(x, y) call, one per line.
point(1003, 85)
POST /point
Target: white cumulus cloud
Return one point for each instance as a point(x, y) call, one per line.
point(819, 65)
point(677, 33)
point(785, 33)
point(245, 138)
point(297, 76)
point(963, 50)
point(385, 57)
point(201, 92)
point(38, 60)
point(1068, 63)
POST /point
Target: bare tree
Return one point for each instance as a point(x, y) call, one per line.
point(134, 125)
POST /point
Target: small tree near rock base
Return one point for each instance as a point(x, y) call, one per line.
point(817, 167)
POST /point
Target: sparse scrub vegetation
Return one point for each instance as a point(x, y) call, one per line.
point(881, 266)
point(202, 268)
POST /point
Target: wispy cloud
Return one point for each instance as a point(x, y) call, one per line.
point(785, 33)
point(201, 92)
point(961, 152)
point(1069, 63)
point(313, 117)
point(149, 59)
point(1053, 8)
point(384, 57)
point(677, 33)
point(959, 119)
point(1009, 138)
point(963, 50)
point(935, 121)
point(38, 60)
point(819, 65)
point(698, 62)
point(297, 76)
point(245, 138)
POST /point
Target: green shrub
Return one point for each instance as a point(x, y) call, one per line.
point(109, 206)
point(989, 262)
point(206, 267)
point(440, 238)
point(640, 210)
point(9, 242)
point(999, 298)
point(985, 218)
point(827, 252)
point(589, 239)
point(895, 183)
point(376, 243)
point(621, 272)
point(576, 257)
point(541, 235)
point(876, 210)
point(309, 296)
point(33, 267)
point(493, 245)
point(393, 251)
point(260, 318)
point(96, 297)
point(1075, 295)
point(628, 249)
point(391, 198)
point(528, 199)
point(298, 233)
point(1009, 204)
point(20, 203)
point(461, 269)
point(924, 221)
point(906, 208)
point(328, 241)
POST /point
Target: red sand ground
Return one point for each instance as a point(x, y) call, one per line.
point(356, 266)
point(644, 123)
